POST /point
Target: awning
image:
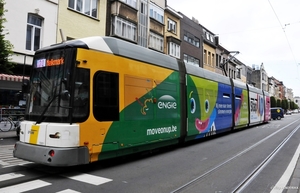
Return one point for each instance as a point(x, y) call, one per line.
point(13, 78)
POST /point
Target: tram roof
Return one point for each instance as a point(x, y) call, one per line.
point(201, 72)
point(119, 47)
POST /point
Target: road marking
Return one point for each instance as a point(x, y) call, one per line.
point(87, 178)
point(25, 186)
point(68, 191)
point(10, 176)
point(7, 159)
point(279, 187)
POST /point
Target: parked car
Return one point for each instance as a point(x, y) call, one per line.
point(277, 113)
point(288, 112)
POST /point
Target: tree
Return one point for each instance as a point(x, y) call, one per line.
point(273, 102)
point(278, 103)
point(284, 104)
point(6, 48)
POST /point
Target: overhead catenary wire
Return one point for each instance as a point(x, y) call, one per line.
point(283, 28)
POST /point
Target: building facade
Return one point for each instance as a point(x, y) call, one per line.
point(148, 23)
point(191, 41)
point(260, 77)
point(78, 19)
point(209, 50)
point(31, 24)
point(172, 41)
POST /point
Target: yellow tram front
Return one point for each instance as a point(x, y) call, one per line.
point(58, 98)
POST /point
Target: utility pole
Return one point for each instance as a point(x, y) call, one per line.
point(227, 60)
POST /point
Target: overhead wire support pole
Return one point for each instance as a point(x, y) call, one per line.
point(231, 57)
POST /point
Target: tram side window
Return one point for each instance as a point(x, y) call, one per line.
point(106, 96)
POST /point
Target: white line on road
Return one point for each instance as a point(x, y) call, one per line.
point(68, 191)
point(279, 187)
point(25, 186)
point(87, 178)
point(10, 176)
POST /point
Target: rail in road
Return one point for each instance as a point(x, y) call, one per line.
point(244, 183)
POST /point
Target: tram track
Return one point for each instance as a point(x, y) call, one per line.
point(261, 166)
point(246, 181)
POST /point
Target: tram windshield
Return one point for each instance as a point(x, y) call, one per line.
point(55, 86)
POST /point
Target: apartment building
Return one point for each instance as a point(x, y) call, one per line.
point(240, 72)
point(148, 23)
point(78, 19)
point(273, 88)
point(260, 77)
point(191, 41)
point(278, 88)
point(289, 94)
point(140, 22)
point(172, 41)
point(31, 24)
point(209, 49)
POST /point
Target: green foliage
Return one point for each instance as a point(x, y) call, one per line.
point(273, 102)
point(6, 48)
point(284, 104)
point(292, 105)
point(278, 103)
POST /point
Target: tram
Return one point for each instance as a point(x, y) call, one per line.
point(96, 98)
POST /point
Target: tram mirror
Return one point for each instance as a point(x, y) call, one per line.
point(25, 86)
point(65, 95)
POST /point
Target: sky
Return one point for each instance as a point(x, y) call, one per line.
point(263, 31)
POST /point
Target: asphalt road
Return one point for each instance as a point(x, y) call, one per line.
point(249, 160)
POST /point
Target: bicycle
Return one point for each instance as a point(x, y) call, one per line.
point(8, 124)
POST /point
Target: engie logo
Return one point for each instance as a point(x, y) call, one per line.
point(166, 102)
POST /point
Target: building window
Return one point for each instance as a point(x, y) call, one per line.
point(172, 25)
point(209, 58)
point(132, 3)
point(263, 86)
point(87, 7)
point(33, 33)
point(124, 28)
point(185, 37)
point(205, 57)
point(156, 13)
point(212, 38)
point(238, 71)
point(213, 59)
point(191, 39)
point(218, 60)
point(207, 36)
point(174, 49)
point(156, 42)
point(143, 24)
point(191, 60)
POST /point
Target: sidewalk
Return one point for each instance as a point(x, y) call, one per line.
point(8, 134)
point(294, 183)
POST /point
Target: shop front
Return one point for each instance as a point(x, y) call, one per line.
point(11, 91)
